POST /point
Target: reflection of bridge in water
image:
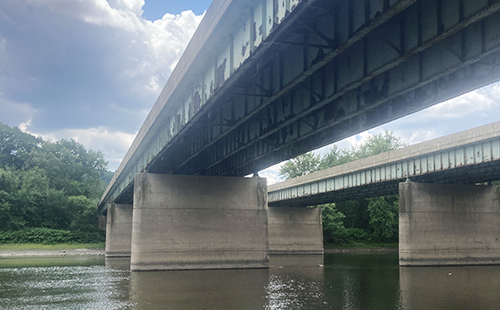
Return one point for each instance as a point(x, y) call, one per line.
point(263, 81)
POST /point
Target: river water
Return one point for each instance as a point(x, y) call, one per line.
point(335, 281)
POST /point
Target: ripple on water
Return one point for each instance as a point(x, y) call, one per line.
point(64, 287)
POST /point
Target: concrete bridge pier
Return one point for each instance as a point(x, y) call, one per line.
point(199, 222)
point(118, 230)
point(295, 230)
point(447, 224)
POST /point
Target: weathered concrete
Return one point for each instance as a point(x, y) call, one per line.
point(295, 231)
point(118, 230)
point(199, 222)
point(443, 224)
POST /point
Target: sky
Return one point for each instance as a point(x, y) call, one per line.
point(91, 70)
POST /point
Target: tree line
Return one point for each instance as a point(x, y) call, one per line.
point(48, 185)
point(370, 220)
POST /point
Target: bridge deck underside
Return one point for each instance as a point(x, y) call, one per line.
point(330, 70)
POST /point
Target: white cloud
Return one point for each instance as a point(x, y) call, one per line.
point(474, 102)
point(88, 69)
point(18, 112)
point(271, 174)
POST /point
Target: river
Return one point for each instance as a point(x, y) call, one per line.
point(335, 281)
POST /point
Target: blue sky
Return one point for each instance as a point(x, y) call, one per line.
point(92, 69)
point(154, 10)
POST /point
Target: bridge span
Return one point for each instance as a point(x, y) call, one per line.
point(262, 81)
point(467, 157)
point(444, 219)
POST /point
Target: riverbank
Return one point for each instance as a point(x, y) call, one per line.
point(386, 250)
point(42, 250)
point(356, 247)
point(46, 253)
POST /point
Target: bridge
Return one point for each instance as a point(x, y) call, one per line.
point(443, 215)
point(468, 157)
point(262, 81)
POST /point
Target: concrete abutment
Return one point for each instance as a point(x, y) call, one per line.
point(446, 224)
point(118, 230)
point(199, 222)
point(295, 231)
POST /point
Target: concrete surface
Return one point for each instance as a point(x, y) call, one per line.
point(199, 222)
point(295, 231)
point(118, 230)
point(443, 224)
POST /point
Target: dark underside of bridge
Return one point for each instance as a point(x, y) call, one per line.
point(472, 174)
point(333, 69)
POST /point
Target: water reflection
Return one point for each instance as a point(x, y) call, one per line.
point(457, 288)
point(295, 282)
point(61, 283)
point(337, 281)
point(362, 281)
point(207, 289)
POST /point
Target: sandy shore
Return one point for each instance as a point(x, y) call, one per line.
point(43, 253)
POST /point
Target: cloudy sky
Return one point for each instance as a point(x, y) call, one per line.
point(92, 69)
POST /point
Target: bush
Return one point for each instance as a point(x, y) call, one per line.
point(358, 235)
point(51, 236)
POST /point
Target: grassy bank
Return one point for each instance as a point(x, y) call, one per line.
point(62, 246)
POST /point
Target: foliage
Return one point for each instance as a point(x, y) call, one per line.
point(336, 157)
point(51, 185)
point(333, 228)
point(384, 218)
point(365, 220)
point(377, 144)
point(15, 146)
point(300, 165)
point(50, 236)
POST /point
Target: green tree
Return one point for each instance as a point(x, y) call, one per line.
point(70, 167)
point(300, 165)
point(53, 185)
point(384, 218)
point(333, 226)
point(377, 144)
point(28, 200)
point(15, 146)
point(378, 216)
point(336, 157)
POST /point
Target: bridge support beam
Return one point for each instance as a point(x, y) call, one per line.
point(118, 230)
point(295, 231)
point(446, 224)
point(199, 222)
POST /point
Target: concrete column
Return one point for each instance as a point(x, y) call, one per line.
point(443, 224)
point(118, 230)
point(295, 231)
point(199, 222)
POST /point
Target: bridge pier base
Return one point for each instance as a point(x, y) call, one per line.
point(118, 230)
point(295, 231)
point(446, 224)
point(199, 222)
